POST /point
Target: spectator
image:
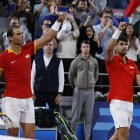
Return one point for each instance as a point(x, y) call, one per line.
point(135, 20)
point(54, 9)
point(104, 31)
point(88, 33)
point(45, 28)
point(73, 12)
point(6, 8)
point(58, 2)
point(67, 37)
point(40, 10)
point(28, 6)
point(53, 15)
point(86, 8)
point(66, 2)
point(118, 4)
point(3, 8)
point(119, 16)
point(47, 78)
point(114, 16)
point(83, 74)
point(100, 4)
point(26, 33)
point(15, 66)
point(26, 17)
point(134, 46)
point(32, 2)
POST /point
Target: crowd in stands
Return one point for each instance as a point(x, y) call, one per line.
point(92, 20)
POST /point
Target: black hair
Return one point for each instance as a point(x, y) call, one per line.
point(86, 42)
point(50, 24)
point(89, 26)
point(104, 11)
point(72, 6)
point(122, 38)
point(124, 31)
point(10, 31)
point(109, 9)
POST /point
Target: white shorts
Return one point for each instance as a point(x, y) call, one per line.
point(122, 112)
point(18, 110)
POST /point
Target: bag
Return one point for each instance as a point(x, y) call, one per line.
point(44, 118)
point(64, 128)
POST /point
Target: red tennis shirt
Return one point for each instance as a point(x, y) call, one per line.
point(121, 77)
point(17, 71)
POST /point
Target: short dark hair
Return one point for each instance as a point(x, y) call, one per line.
point(86, 42)
point(10, 31)
point(104, 11)
point(13, 17)
point(72, 6)
point(122, 38)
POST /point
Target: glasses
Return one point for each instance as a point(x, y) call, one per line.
point(47, 24)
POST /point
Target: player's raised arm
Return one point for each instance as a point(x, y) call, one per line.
point(43, 40)
point(113, 41)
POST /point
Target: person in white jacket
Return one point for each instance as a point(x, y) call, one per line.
point(134, 46)
point(67, 37)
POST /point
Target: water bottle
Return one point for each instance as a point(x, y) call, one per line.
point(47, 106)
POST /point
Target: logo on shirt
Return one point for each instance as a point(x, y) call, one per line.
point(131, 67)
point(13, 62)
point(27, 56)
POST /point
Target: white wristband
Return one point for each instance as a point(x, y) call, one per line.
point(116, 34)
point(56, 26)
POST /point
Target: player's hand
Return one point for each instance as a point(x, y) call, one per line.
point(33, 96)
point(122, 26)
point(58, 99)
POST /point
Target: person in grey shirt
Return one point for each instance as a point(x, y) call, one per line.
point(83, 74)
point(104, 31)
point(86, 8)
